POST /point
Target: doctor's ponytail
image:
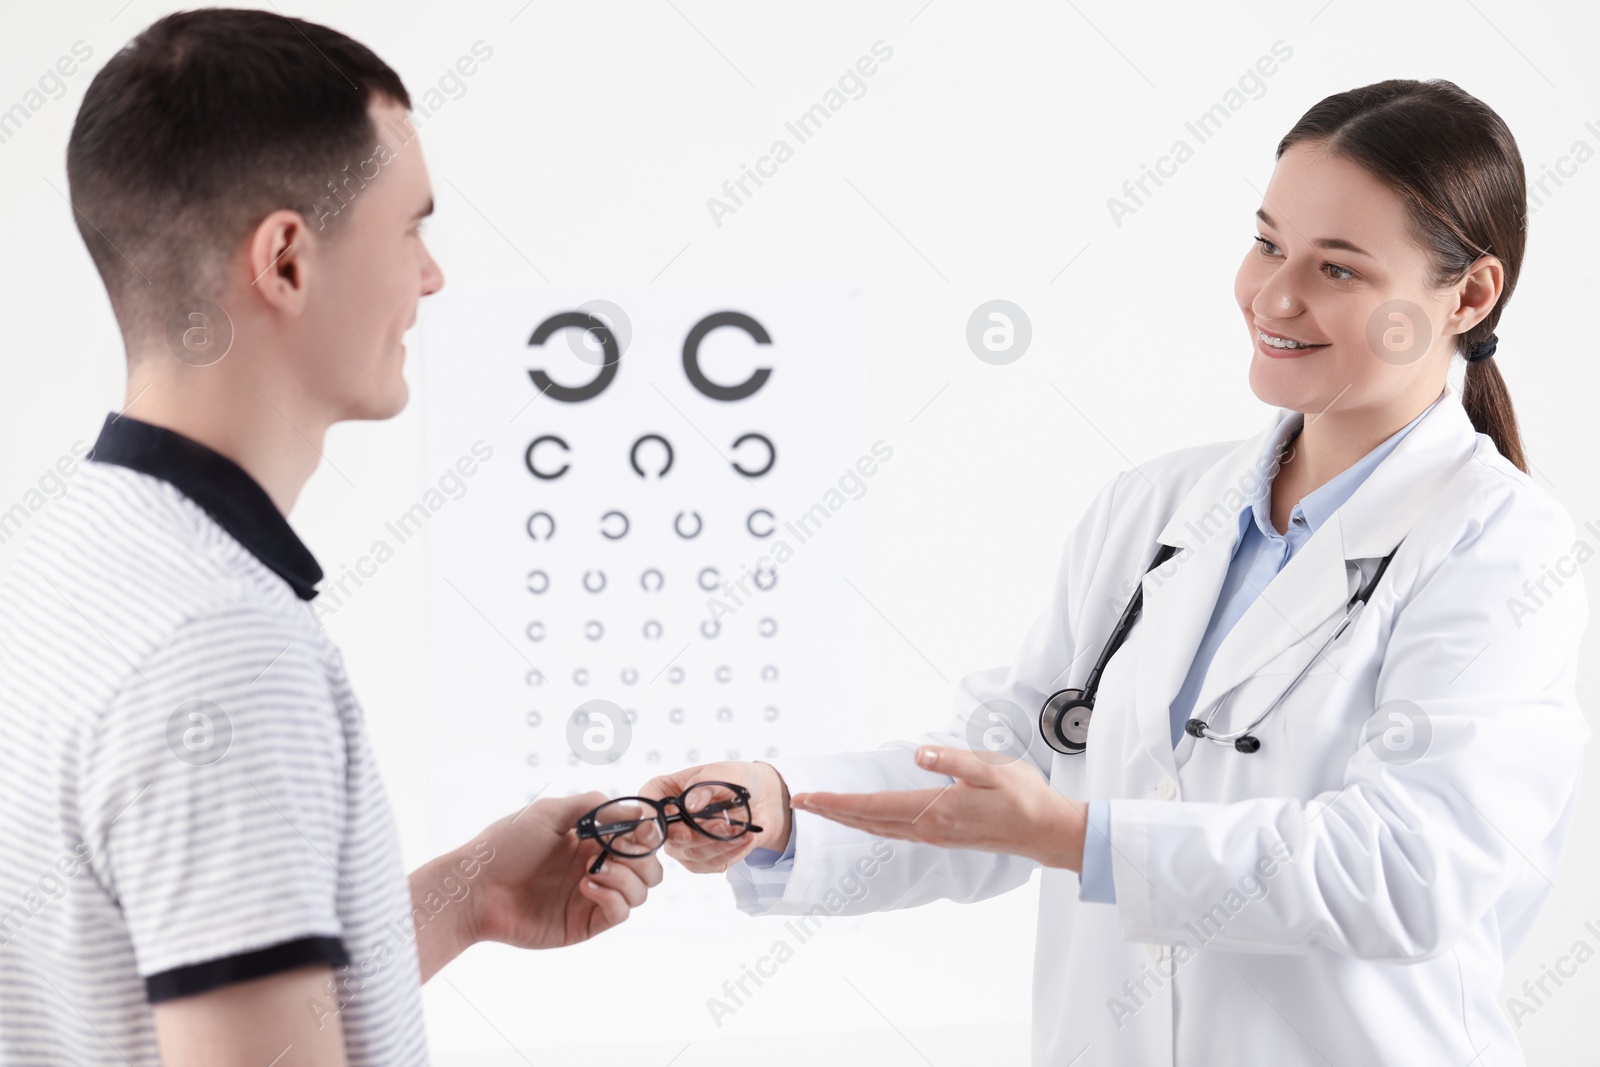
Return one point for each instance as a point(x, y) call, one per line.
point(1457, 167)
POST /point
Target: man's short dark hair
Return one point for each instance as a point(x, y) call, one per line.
point(199, 128)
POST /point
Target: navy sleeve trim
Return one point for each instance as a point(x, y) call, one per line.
point(274, 959)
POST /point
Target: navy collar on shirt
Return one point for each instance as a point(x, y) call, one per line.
point(222, 488)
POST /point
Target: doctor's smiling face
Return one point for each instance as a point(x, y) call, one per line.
point(1336, 266)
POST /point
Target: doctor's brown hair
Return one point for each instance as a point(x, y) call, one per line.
point(200, 127)
point(1455, 164)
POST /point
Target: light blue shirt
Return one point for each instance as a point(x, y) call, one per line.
point(1259, 553)
point(761, 877)
point(766, 858)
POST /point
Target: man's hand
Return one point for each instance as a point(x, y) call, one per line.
point(769, 809)
point(525, 881)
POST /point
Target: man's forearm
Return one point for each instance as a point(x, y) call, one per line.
point(442, 909)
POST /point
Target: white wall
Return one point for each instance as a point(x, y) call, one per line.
point(977, 165)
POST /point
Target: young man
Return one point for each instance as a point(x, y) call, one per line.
point(197, 859)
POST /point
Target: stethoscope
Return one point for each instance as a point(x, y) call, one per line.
point(1064, 719)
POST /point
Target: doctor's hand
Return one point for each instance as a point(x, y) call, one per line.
point(769, 809)
point(992, 805)
point(525, 881)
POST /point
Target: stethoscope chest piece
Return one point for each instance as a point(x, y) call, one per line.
point(1064, 721)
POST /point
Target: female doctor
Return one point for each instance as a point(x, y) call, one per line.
point(1342, 880)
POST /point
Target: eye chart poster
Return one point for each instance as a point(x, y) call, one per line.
point(649, 547)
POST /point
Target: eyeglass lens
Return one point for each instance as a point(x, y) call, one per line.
point(717, 810)
point(629, 827)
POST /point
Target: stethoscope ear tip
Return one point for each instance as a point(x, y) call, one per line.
point(1246, 744)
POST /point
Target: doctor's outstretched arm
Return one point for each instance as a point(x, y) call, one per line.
point(807, 859)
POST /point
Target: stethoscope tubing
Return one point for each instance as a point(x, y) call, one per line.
point(1059, 703)
point(1233, 738)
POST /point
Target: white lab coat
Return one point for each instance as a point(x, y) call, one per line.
point(1381, 938)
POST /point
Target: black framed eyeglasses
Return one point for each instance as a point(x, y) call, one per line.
point(637, 826)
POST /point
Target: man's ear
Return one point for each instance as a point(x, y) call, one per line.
point(281, 255)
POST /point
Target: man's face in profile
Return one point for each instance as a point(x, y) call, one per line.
point(366, 280)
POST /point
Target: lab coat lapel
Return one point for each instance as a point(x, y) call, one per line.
point(1180, 595)
point(1295, 609)
point(1304, 599)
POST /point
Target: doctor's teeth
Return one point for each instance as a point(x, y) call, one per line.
point(1278, 342)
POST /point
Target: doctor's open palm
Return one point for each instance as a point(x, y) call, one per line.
point(769, 809)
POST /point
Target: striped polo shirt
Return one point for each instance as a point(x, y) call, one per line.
point(187, 794)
